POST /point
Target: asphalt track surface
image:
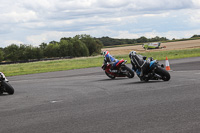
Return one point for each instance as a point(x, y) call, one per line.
point(87, 101)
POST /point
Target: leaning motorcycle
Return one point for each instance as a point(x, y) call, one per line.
point(121, 70)
point(5, 86)
point(154, 70)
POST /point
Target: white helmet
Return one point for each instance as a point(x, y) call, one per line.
point(132, 53)
point(105, 53)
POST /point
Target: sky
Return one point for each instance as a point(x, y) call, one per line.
point(33, 22)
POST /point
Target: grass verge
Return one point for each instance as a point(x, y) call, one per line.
point(68, 64)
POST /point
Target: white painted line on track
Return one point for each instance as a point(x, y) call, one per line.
point(56, 101)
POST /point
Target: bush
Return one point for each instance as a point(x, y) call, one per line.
point(94, 45)
point(12, 52)
point(79, 48)
point(1, 55)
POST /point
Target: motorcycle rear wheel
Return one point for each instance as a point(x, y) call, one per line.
point(109, 75)
point(163, 73)
point(130, 73)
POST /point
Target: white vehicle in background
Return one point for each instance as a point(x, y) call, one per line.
point(5, 86)
point(153, 45)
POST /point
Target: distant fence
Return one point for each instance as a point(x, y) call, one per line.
point(35, 60)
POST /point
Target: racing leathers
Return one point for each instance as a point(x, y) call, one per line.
point(110, 60)
point(139, 61)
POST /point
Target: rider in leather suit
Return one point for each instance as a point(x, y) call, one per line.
point(138, 60)
point(108, 58)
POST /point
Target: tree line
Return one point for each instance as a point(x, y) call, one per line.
point(80, 45)
point(107, 41)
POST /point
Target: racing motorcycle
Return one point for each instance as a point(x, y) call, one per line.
point(121, 70)
point(4, 85)
point(153, 71)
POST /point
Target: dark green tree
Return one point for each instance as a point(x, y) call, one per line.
point(79, 48)
point(22, 55)
point(195, 36)
point(142, 40)
point(1, 55)
point(42, 46)
point(12, 52)
point(94, 45)
point(52, 50)
point(70, 48)
point(37, 53)
point(65, 38)
point(64, 48)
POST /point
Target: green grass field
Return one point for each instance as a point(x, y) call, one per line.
point(68, 64)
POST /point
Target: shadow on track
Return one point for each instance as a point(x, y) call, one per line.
point(107, 79)
point(143, 82)
point(4, 95)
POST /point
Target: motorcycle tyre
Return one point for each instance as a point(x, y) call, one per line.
point(130, 73)
point(109, 75)
point(164, 73)
point(8, 88)
point(1, 92)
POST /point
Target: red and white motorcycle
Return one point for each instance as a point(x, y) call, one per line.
point(121, 70)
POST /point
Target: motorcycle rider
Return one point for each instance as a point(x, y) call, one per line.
point(138, 60)
point(108, 58)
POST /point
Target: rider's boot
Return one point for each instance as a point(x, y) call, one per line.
point(141, 73)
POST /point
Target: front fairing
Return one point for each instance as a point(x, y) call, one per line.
point(3, 77)
point(152, 64)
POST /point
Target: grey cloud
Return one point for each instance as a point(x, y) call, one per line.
point(76, 9)
point(80, 15)
point(158, 5)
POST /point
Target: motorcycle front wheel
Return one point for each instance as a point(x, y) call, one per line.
point(8, 88)
point(163, 73)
